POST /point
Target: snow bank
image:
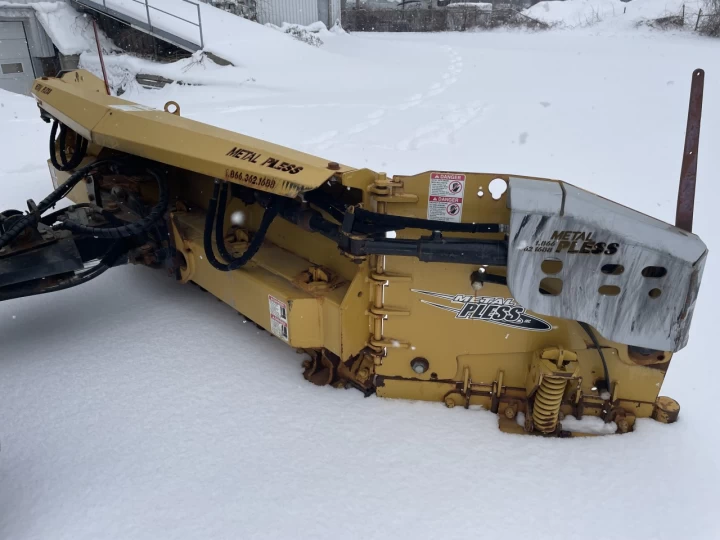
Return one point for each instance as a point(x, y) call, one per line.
point(575, 12)
point(198, 69)
point(259, 54)
point(240, 41)
point(310, 33)
point(318, 28)
point(480, 6)
point(69, 30)
point(654, 9)
point(579, 13)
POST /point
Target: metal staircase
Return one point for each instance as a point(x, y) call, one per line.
point(147, 18)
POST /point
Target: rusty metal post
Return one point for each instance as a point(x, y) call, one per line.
point(688, 172)
point(102, 61)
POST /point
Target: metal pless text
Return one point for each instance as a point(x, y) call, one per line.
point(492, 309)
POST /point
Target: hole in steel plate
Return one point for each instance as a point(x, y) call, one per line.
point(419, 365)
point(551, 286)
point(654, 271)
point(497, 187)
point(551, 266)
point(612, 269)
point(654, 293)
point(609, 290)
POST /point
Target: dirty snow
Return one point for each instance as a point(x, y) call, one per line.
point(137, 408)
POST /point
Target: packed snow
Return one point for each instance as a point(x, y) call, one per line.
point(138, 408)
point(591, 425)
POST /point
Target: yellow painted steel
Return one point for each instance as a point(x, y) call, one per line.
point(369, 319)
point(121, 125)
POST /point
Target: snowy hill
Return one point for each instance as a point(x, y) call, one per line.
point(610, 13)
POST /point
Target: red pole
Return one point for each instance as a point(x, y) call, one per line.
point(100, 54)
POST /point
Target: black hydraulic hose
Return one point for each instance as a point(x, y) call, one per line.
point(220, 223)
point(590, 333)
point(270, 213)
point(61, 145)
point(109, 260)
point(81, 144)
point(131, 229)
point(31, 219)
point(207, 233)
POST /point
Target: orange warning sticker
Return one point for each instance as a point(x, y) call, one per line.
point(445, 198)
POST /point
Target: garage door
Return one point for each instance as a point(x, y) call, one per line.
point(16, 71)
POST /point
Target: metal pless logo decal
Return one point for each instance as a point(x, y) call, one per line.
point(493, 309)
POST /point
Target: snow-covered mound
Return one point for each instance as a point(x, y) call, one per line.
point(574, 12)
point(579, 13)
point(258, 53)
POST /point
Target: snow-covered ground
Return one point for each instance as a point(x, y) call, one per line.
point(137, 408)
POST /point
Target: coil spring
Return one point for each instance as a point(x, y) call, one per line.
point(547, 404)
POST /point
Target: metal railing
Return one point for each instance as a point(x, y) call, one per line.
point(113, 11)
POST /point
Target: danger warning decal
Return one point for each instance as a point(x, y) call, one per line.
point(278, 318)
point(493, 309)
point(445, 198)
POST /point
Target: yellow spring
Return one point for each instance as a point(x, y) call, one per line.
point(547, 404)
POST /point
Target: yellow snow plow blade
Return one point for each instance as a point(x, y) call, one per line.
point(542, 302)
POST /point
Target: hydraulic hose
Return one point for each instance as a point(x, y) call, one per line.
point(81, 144)
point(131, 229)
point(220, 223)
point(234, 263)
point(593, 338)
point(31, 219)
